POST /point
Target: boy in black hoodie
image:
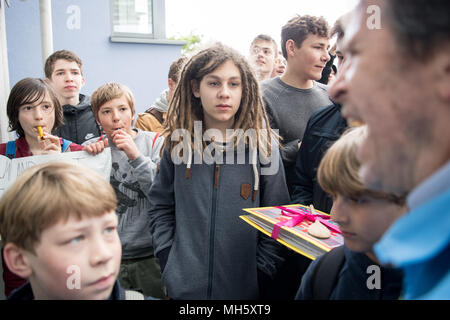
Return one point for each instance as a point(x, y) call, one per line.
point(63, 71)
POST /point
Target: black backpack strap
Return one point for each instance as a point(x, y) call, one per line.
point(326, 273)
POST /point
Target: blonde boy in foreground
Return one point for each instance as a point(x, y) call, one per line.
point(62, 235)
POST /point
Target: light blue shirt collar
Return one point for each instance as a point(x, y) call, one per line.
point(424, 230)
point(436, 184)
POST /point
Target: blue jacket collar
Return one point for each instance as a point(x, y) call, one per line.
point(419, 235)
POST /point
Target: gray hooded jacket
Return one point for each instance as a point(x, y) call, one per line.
point(195, 214)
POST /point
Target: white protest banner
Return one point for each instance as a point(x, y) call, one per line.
point(10, 169)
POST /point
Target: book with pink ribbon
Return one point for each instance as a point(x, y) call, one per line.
point(291, 225)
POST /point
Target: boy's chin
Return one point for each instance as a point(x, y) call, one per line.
point(88, 293)
point(104, 295)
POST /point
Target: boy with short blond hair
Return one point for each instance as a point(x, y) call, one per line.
point(363, 216)
point(135, 155)
point(62, 236)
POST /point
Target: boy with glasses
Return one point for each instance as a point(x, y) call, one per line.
point(263, 52)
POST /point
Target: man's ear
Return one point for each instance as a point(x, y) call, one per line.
point(172, 84)
point(441, 70)
point(83, 81)
point(48, 81)
point(290, 47)
point(195, 88)
point(17, 260)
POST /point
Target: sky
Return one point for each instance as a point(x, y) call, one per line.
point(236, 22)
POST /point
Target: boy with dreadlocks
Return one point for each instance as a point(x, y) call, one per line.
point(205, 250)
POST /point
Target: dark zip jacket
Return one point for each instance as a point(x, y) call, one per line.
point(324, 127)
point(79, 122)
point(356, 280)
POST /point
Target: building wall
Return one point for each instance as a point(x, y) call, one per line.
point(141, 66)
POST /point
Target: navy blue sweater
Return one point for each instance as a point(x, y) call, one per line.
point(352, 280)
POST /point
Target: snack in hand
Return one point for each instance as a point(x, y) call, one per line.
point(41, 132)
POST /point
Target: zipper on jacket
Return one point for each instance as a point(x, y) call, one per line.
point(212, 231)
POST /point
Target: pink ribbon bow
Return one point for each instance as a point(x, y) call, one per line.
point(297, 216)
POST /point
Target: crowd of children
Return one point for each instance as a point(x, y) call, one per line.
point(225, 136)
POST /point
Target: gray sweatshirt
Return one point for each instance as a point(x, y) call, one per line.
point(289, 109)
point(162, 103)
point(131, 181)
point(213, 253)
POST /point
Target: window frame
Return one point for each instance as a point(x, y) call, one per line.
point(158, 21)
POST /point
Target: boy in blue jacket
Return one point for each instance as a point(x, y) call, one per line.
point(353, 271)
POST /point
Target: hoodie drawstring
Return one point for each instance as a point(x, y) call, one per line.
point(221, 148)
point(255, 175)
point(189, 162)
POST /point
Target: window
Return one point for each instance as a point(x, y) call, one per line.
point(133, 17)
point(137, 20)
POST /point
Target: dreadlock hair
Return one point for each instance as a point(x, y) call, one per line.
point(185, 108)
